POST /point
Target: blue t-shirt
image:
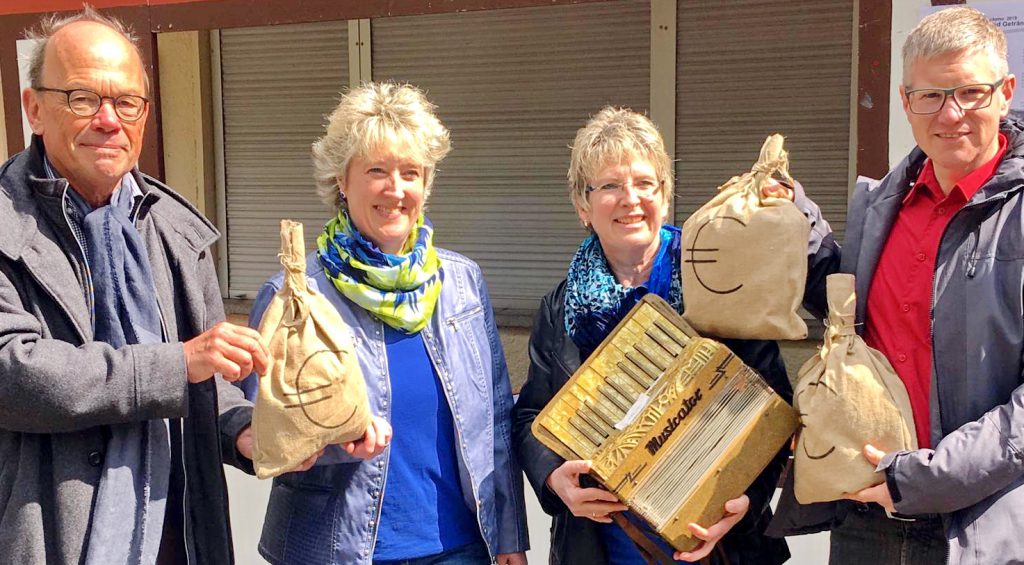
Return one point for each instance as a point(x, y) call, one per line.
point(423, 512)
point(622, 551)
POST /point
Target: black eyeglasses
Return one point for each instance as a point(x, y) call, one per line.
point(87, 103)
point(967, 97)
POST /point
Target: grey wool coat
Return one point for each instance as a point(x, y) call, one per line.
point(59, 388)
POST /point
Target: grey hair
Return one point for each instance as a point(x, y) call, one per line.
point(374, 117)
point(952, 30)
point(53, 23)
point(610, 137)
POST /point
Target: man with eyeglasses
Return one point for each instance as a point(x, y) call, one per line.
point(937, 247)
point(114, 410)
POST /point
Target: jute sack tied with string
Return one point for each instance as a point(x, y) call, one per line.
point(745, 257)
point(848, 395)
point(313, 393)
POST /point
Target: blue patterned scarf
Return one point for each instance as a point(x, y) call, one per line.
point(595, 302)
point(400, 290)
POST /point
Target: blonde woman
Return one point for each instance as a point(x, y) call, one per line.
point(445, 490)
point(620, 184)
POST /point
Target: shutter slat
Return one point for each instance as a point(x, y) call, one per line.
point(788, 73)
point(513, 86)
point(278, 83)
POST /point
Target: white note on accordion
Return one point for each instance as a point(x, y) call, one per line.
point(634, 411)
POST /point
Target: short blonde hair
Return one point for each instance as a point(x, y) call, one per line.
point(953, 30)
point(613, 136)
point(374, 117)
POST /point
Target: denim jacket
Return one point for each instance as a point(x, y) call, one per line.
point(329, 513)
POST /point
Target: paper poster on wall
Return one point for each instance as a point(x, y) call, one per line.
point(1009, 16)
point(24, 47)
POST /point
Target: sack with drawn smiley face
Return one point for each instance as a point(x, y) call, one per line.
point(313, 393)
point(848, 395)
point(744, 257)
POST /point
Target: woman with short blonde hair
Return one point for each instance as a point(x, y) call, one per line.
point(620, 184)
point(446, 489)
point(611, 135)
point(378, 115)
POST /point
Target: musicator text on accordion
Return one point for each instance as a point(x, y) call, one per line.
point(674, 423)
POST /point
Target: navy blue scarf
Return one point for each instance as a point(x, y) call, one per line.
point(128, 513)
point(595, 302)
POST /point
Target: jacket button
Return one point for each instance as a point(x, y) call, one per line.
point(95, 458)
point(861, 507)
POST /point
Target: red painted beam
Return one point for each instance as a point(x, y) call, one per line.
point(8, 7)
point(873, 70)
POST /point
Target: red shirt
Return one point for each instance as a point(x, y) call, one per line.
point(899, 301)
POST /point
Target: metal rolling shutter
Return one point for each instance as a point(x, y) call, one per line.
point(513, 86)
point(278, 83)
point(748, 68)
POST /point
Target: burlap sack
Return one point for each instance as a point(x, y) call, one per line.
point(313, 393)
point(847, 395)
point(745, 257)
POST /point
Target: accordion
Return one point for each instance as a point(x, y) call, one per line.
point(675, 424)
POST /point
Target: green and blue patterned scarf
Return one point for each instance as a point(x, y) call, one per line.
point(400, 290)
point(595, 302)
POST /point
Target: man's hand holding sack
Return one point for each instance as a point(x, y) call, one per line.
point(848, 396)
point(745, 268)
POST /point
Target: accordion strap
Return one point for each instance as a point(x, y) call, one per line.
point(652, 554)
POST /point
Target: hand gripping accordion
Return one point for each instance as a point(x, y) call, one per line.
point(675, 424)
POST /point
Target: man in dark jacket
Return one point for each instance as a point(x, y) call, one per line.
point(937, 250)
point(112, 414)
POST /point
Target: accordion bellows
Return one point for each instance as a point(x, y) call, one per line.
point(313, 393)
point(847, 395)
point(675, 424)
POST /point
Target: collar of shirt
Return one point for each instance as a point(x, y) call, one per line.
point(966, 187)
point(77, 206)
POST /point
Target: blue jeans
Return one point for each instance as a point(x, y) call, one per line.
point(867, 535)
point(471, 554)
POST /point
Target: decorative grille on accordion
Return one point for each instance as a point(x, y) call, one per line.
point(674, 423)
